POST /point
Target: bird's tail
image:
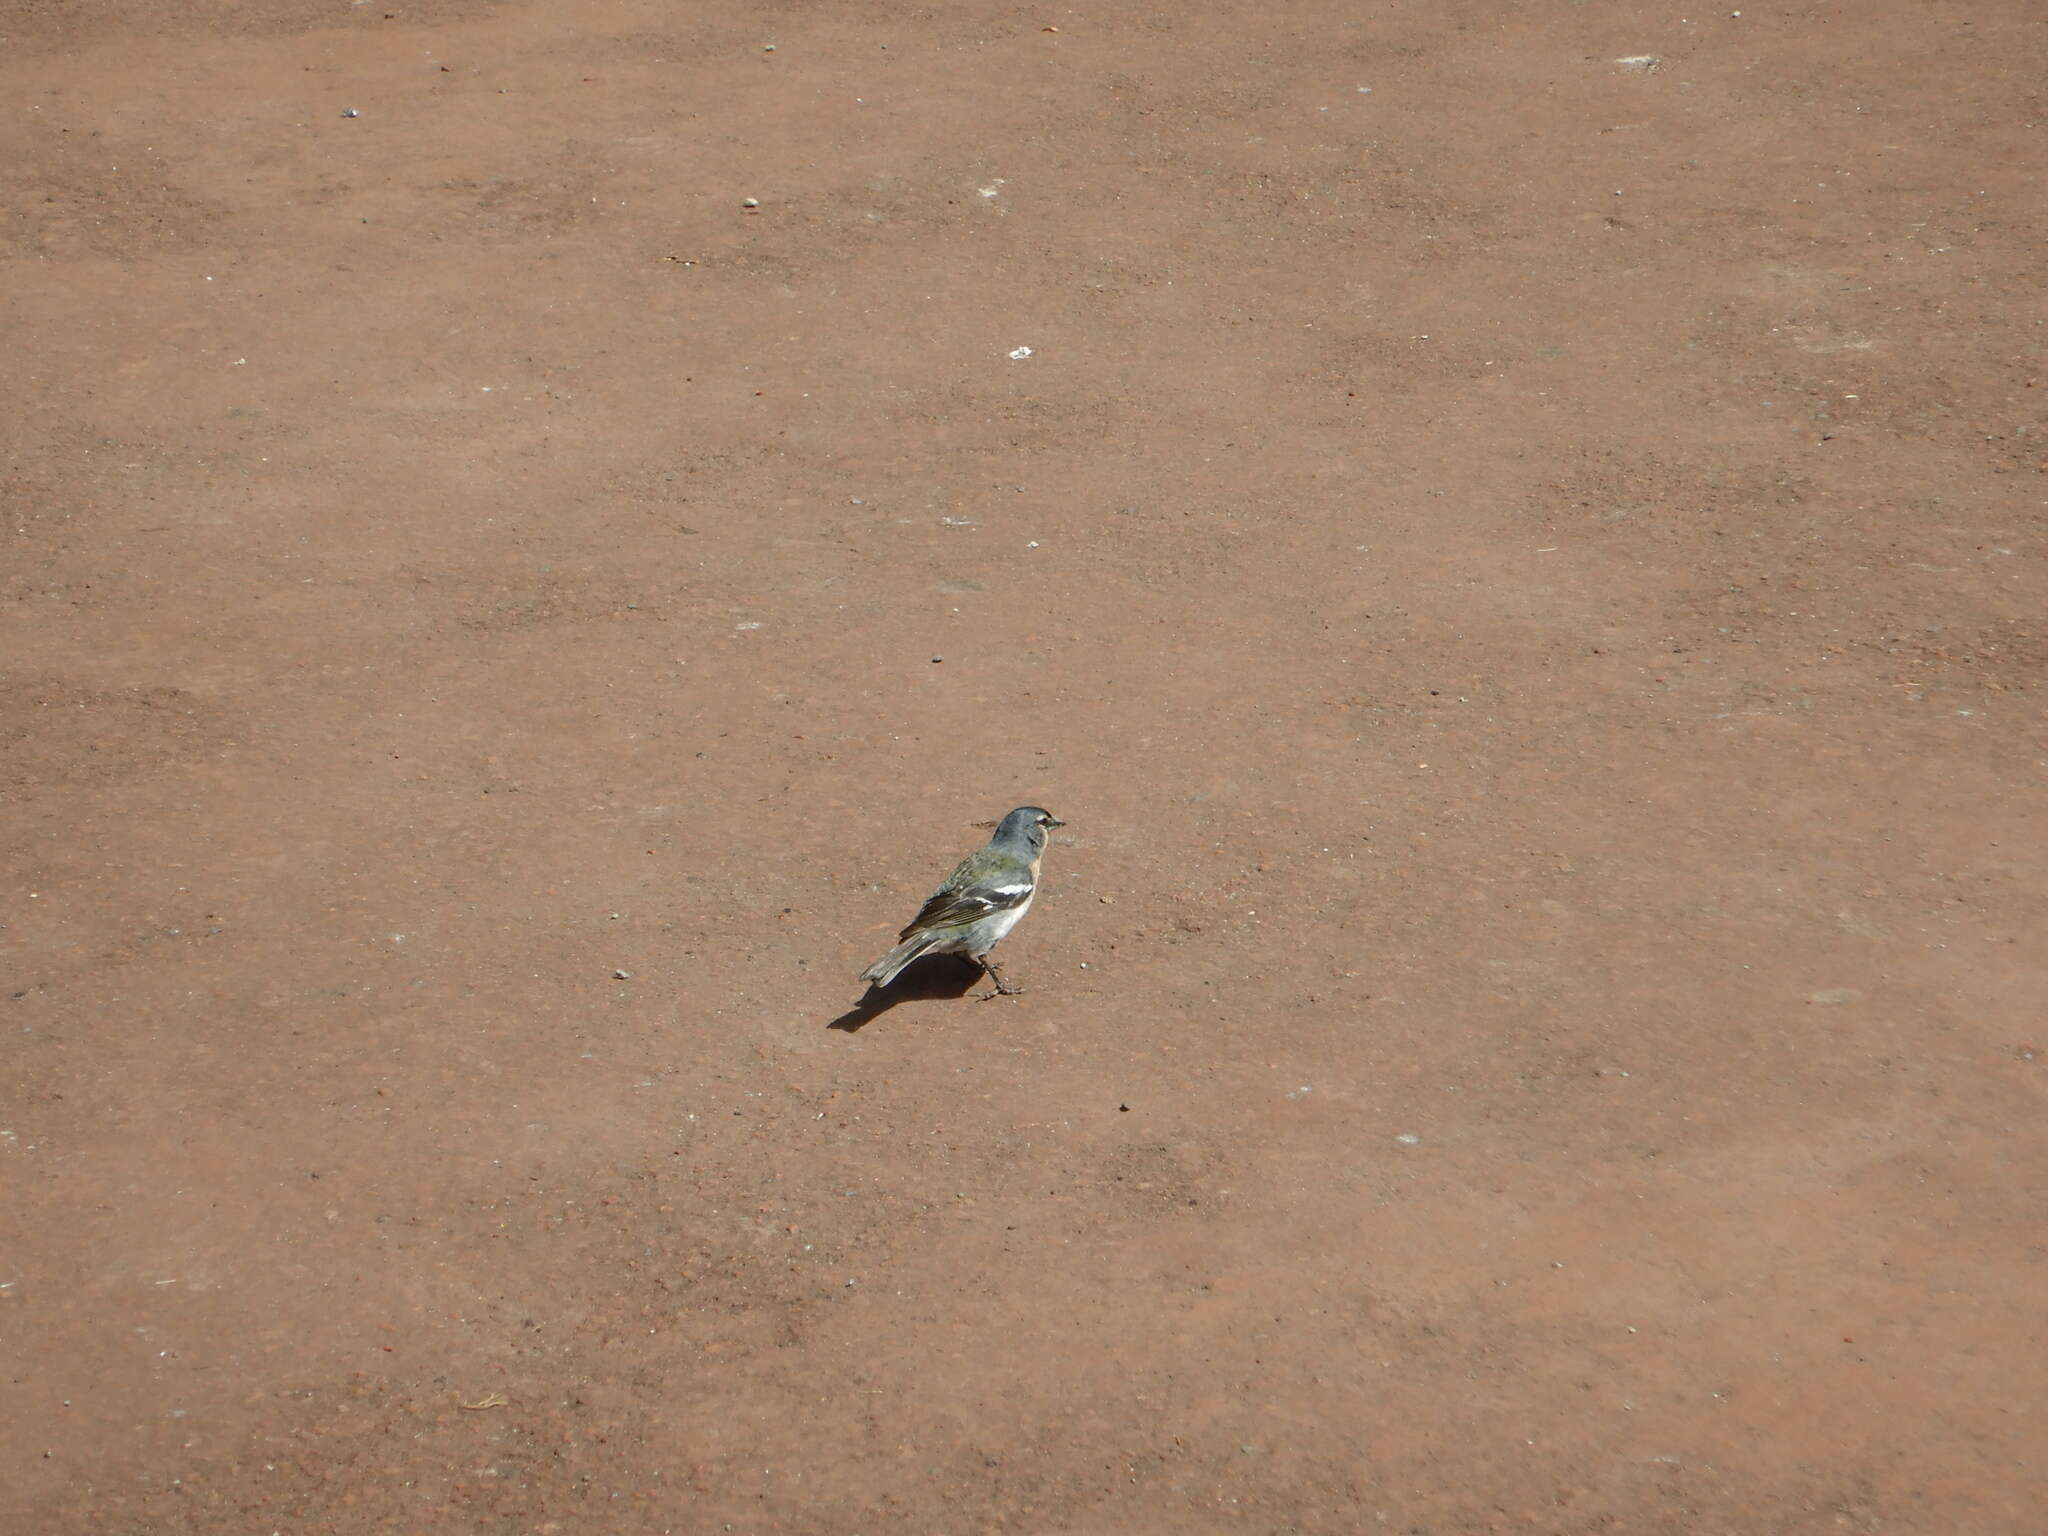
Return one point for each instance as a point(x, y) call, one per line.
point(886, 969)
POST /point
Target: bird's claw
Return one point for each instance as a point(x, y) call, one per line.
point(1002, 987)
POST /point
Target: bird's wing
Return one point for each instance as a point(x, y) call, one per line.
point(979, 888)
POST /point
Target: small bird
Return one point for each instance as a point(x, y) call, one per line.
point(980, 901)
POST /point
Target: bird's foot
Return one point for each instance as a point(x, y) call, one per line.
point(1002, 987)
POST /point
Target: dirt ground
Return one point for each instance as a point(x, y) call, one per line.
point(1516, 546)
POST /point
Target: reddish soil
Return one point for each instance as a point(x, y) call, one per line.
point(1523, 572)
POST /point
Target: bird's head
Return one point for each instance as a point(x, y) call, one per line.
point(1029, 824)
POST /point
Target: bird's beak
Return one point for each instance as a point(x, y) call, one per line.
point(1051, 822)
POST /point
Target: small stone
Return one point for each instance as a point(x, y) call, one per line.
point(1408, 1139)
point(750, 202)
point(350, 112)
point(622, 976)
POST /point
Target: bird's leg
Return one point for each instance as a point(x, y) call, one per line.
point(1003, 988)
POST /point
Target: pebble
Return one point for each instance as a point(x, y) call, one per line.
point(350, 112)
point(750, 202)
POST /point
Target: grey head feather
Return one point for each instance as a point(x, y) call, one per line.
point(1025, 828)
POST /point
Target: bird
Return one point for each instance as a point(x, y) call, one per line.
point(982, 900)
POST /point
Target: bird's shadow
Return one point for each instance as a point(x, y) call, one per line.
point(932, 977)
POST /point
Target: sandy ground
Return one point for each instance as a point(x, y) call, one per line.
point(1522, 570)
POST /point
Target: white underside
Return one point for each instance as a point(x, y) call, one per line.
point(979, 938)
